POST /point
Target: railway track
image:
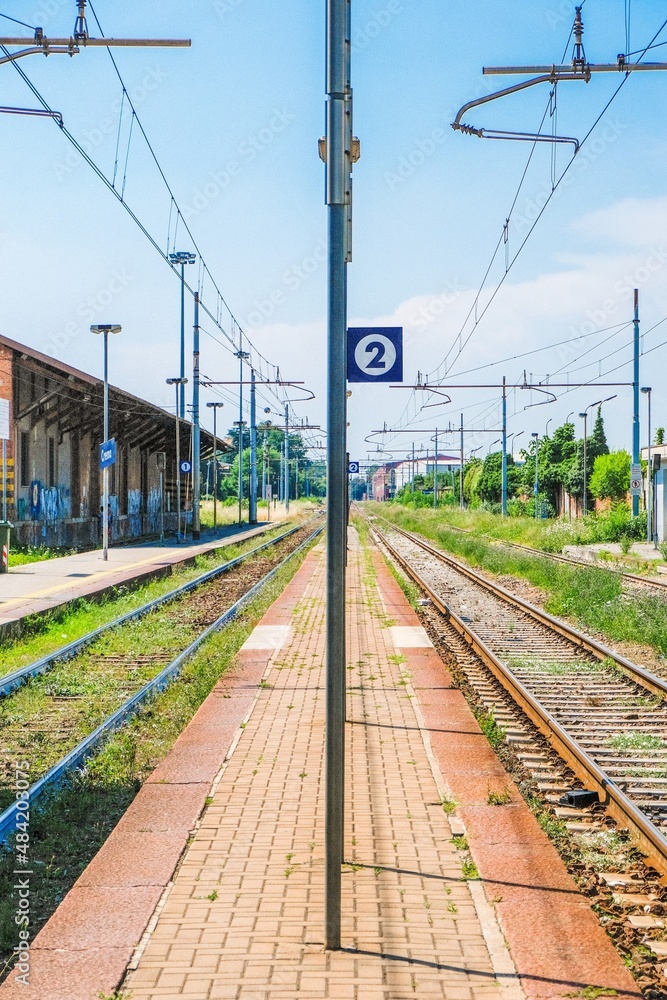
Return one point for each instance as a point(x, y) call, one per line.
point(633, 578)
point(134, 689)
point(605, 717)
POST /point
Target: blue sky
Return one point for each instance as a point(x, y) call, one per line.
point(234, 123)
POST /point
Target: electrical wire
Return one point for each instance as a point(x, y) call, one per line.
point(16, 21)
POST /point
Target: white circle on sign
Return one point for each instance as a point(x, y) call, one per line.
point(186, 466)
point(375, 355)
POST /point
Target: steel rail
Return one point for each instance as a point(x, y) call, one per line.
point(16, 678)
point(161, 681)
point(656, 685)
point(649, 839)
point(559, 557)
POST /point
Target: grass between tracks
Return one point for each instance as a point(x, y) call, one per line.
point(45, 633)
point(69, 825)
point(590, 596)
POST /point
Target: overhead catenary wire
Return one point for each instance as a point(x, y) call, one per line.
point(257, 359)
point(459, 338)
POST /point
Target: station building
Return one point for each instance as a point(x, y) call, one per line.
point(52, 476)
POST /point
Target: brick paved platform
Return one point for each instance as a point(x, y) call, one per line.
point(243, 915)
point(38, 587)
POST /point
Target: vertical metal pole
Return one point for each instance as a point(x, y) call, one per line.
point(240, 431)
point(4, 479)
point(252, 511)
point(181, 389)
point(649, 486)
point(537, 484)
point(435, 471)
point(461, 469)
point(287, 476)
point(161, 507)
point(196, 435)
point(585, 484)
point(105, 472)
point(504, 458)
point(635, 390)
point(337, 178)
point(412, 471)
point(215, 469)
point(178, 472)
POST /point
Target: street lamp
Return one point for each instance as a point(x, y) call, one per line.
point(649, 487)
point(546, 429)
point(536, 487)
point(215, 407)
point(514, 436)
point(178, 382)
point(598, 402)
point(106, 329)
point(182, 257)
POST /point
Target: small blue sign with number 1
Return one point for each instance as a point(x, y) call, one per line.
point(375, 354)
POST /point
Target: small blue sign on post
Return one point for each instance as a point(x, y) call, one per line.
point(375, 354)
point(108, 454)
point(353, 469)
point(186, 467)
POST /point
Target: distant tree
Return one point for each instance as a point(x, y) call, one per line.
point(610, 479)
point(472, 473)
point(597, 443)
point(660, 435)
point(490, 484)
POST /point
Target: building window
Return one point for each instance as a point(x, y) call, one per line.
point(25, 458)
point(52, 461)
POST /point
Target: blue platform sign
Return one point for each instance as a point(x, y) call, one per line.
point(108, 454)
point(375, 354)
point(353, 469)
point(186, 467)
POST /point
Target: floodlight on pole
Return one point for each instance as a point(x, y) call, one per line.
point(105, 329)
point(179, 259)
point(176, 382)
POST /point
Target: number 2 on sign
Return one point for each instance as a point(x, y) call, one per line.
point(375, 354)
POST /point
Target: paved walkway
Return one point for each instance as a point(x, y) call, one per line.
point(42, 586)
point(244, 917)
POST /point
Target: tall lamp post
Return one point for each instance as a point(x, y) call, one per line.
point(105, 329)
point(215, 407)
point(649, 483)
point(181, 258)
point(536, 487)
point(598, 402)
point(176, 382)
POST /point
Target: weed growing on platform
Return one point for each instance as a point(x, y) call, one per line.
point(460, 842)
point(501, 798)
point(469, 871)
point(449, 805)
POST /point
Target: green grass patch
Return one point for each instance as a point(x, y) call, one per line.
point(636, 741)
point(44, 634)
point(589, 595)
